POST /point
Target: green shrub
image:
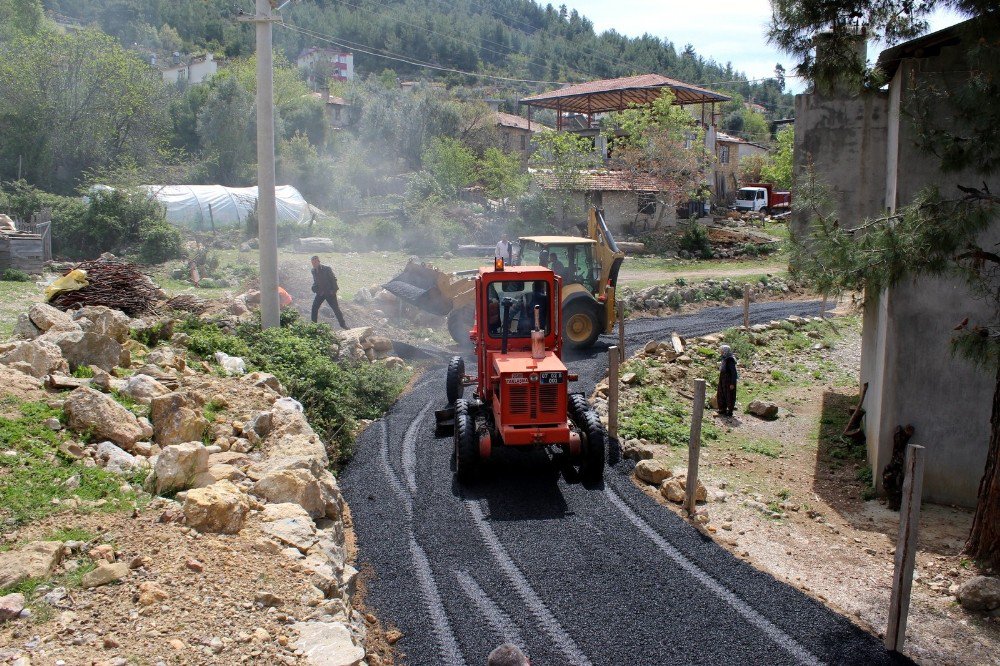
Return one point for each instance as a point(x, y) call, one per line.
point(159, 242)
point(658, 417)
point(660, 241)
point(14, 275)
point(695, 240)
point(334, 394)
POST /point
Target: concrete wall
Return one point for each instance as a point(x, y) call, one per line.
point(844, 139)
point(864, 147)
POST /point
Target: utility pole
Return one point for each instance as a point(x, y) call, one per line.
point(267, 231)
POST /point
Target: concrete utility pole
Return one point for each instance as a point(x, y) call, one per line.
point(267, 230)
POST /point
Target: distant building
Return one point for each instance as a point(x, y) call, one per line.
point(632, 202)
point(189, 69)
point(729, 151)
point(516, 133)
point(321, 65)
point(336, 109)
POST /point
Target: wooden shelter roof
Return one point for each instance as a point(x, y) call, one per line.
point(617, 94)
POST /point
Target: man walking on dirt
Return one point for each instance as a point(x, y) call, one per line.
point(503, 250)
point(325, 288)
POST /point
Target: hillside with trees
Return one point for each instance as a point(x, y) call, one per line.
point(519, 39)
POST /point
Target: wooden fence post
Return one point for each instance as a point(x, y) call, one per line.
point(746, 307)
point(621, 332)
point(822, 308)
point(694, 446)
point(613, 360)
point(906, 548)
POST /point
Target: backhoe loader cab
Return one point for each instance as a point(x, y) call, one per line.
point(521, 397)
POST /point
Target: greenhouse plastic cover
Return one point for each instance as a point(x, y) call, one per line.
point(197, 207)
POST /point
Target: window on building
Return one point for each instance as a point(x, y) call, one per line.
point(647, 203)
point(524, 142)
point(506, 140)
point(724, 155)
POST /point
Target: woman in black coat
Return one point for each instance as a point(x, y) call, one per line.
point(726, 393)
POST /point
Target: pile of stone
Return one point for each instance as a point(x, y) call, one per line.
point(663, 296)
point(673, 486)
point(48, 340)
point(361, 344)
point(267, 470)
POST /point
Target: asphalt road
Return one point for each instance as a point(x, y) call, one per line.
point(571, 574)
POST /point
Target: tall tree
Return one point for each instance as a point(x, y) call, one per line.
point(76, 102)
point(939, 232)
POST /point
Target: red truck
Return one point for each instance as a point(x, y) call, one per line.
point(762, 197)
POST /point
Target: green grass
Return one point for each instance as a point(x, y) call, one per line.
point(70, 534)
point(213, 409)
point(658, 417)
point(765, 447)
point(36, 474)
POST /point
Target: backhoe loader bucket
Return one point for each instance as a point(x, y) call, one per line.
point(428, 288)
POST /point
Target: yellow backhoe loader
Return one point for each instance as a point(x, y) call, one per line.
point(588, 266)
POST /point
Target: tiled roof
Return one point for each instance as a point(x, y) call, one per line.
point(722, 136)
point(616, 94)
point(510, 120)
point(604, 181)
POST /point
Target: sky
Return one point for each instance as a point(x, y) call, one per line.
point(732, 31)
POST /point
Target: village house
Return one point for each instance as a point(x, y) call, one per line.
point(632, 203)
point(729, 151)
point(335, 109)
point(862, 147)
point(321, 65)
point(188, 69)
point(515, 134)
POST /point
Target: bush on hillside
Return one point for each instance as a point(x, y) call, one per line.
point(695, 240)
point(334, 394)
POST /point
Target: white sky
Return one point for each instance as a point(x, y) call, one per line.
point(724, 30)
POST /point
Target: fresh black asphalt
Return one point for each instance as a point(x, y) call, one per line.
point(571, 574)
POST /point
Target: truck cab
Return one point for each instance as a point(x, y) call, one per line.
point(751, 199)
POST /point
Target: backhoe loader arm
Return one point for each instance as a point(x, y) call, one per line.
point(610, 259)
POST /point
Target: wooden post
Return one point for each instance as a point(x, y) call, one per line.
point(621, 331)
point(613, 361)
point(746, 307)
point(906, 548)
point(694, 445)
point(822, 308)
point(211, 219)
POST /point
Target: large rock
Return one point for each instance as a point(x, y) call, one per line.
point(296, 486)
point(675, 490)
point(174, 422)
point(35, 560)
point(102, 320)
point(36, 358)
point(11, 606)
point(24, 329)
point(652, 471)
point(327, 644)
point(178, 466)
point(221, 507)
point(104, 573)
point(764, 410)
point(83, 348)
point(45, 317)
point(143, 388)
point(289, 524)
point(91, 411)
point(115, 459)
point(981, 594)
point(264, 379)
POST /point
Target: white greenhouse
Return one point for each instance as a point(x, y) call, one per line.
point(204, 207)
